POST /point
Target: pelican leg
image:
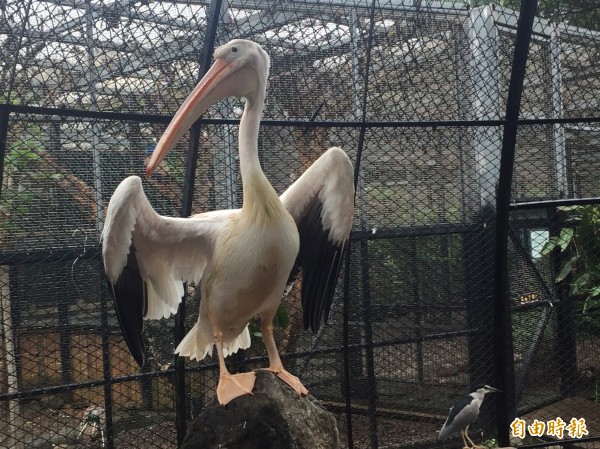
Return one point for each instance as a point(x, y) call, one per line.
point(275, 364)
point(231, 385)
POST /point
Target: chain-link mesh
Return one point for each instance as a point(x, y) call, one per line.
point(415, 93)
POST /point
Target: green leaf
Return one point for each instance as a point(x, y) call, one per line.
point(565, 269)
point(566, 235)
point(581, 283)
point(569, 208)
point(549, 245)
point(586, 305)
point(281, 317)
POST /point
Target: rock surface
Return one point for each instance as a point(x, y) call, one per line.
point(274, 418)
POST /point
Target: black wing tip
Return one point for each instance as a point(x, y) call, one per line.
point(129, 325)
point(129, 299)
point(321, 261)
point(140, 358)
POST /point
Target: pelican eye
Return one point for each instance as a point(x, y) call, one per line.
point(234, 49)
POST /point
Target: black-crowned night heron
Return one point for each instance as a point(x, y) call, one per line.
point(464, 413)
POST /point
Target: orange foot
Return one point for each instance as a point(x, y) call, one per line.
point(233, 385)
point(289, 379)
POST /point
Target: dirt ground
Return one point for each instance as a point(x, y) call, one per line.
point(61, 429)
point(43, 427)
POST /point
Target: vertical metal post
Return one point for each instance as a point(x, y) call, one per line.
point(355, 37)
point(368, 322)
point(483, 41)
point(105, 343)
point(560, 157)
point(106, 371)
point(478, 249)
point(65, 345)
point(479, 244)
point(91, 79)
point(346, 342)
point(225, 175)
point(350, 367)
point(10, 357)
point(6, 318)
point(225, 160)
point(364, 248)
point(504, 366)
point(194, 142)
point(418, 305)
point(463, 101)
point(186, 209)
point(356, 365)
point(4, 118)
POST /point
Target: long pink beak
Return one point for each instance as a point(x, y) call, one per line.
point(196, 104)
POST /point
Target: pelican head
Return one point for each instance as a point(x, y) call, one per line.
point(240, 70)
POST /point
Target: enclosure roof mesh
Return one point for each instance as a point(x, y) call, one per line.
point(58, 36)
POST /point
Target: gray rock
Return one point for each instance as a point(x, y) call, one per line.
point(273, 418)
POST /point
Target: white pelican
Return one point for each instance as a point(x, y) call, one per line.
point(244, 257)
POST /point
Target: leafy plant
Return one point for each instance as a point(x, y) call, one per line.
point(490, 444)
point(579, 241)
point(16, 194)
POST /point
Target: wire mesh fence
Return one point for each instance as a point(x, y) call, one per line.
point(415, 93)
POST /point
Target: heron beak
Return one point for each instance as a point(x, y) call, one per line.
point(494, 390)
point(209, 90)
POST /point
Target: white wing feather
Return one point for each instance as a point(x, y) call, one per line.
point(330, 179)
point(169, 250)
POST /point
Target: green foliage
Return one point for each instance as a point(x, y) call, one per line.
point(6, 100)
point(20, 156)
point(175, 166)
point(280, 320)
point(579, 241)
point(490, 444)
point(21, 177)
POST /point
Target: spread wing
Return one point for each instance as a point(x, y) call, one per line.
point(147, 257)
point(321, 202)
